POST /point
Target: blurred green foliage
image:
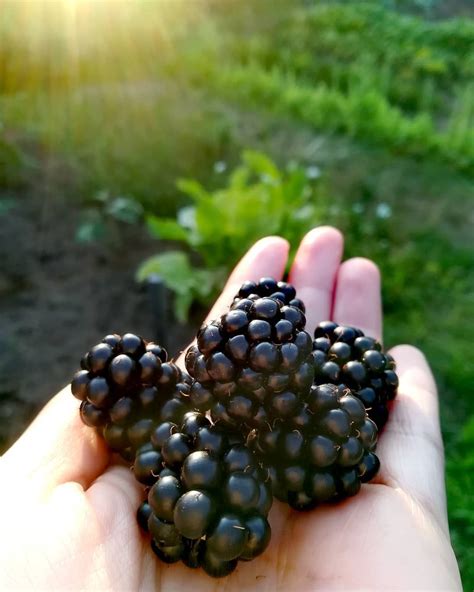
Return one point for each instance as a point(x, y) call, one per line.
point(102, 219)
point(258, 200)
point(358, 69)
point(460, 479)
point(13, 161)
point(380, 101)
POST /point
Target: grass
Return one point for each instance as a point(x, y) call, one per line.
point(380, 101)
point(150, 134)
point(361, 112)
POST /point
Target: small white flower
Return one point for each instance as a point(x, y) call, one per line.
point(383, 210)
point(220, 166)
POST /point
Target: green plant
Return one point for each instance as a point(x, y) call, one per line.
point(101, 220)
point(259, 199)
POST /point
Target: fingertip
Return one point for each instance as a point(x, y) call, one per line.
point(320, 250)
point(407, 355)
point(314, 271)
point(268, 256)
point(359, 270)
point(327, 232)
point(408, 351)
point(358, 298)
point(413, 365)
point(273, 241)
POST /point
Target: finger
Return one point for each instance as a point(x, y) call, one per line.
point(116, 481)
point(57, 447)
point(358, 301)
point(267, 257)
point(410, 447)
point(314, 272)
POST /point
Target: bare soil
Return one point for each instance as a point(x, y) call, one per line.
point(59, 297)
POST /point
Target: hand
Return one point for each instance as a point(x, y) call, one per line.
point(68, 511)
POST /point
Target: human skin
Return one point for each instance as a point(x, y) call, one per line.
point(67, 510)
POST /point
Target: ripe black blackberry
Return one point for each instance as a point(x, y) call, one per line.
point(253, 365)
point(323, 453)
point(269, 287)
point(344, 355)
point(209, 503)
point(127, 386)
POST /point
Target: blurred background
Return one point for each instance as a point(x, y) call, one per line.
point(160, 138)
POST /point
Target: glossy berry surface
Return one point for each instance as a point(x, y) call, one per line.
point(326, 455)
point(254, 364)
point(127, 387)
point(208, 499)
point(345, 356)
point(268, 287)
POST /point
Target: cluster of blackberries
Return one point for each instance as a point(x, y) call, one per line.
point(254, 364)
point(267, 410)
point(323, 453)
point(127, 386)
point(345, 356)
point(208, 506)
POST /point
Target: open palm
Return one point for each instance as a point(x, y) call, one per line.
point(68, 511)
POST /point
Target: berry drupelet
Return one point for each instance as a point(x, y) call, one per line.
point(345, 356)
point(324, 453)
point(209, 501)
point(254, 364)
point(127, 386)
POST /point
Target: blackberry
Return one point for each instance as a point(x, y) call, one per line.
point(210, 498)
point(268, 287)
point(126, 387)
point(254, 364)
point(325, 458)
point(345, 356)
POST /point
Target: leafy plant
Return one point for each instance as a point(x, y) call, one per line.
point(218, 226)
point(100, 220)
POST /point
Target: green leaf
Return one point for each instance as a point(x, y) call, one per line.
point(210, 222)
point(188, 283)
point(261, 165)
point(166, 228)
point(125, 209)
point(192, 189)
point(208, 281)
point(172, 266)
point(89, 232)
